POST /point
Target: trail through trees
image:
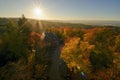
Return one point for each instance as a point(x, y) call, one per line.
point(55, 73)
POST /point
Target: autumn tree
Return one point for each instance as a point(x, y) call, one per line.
point(76, 55)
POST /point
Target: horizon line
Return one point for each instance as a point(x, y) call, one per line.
point(68, 19)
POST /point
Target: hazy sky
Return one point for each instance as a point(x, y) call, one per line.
point(63, 9)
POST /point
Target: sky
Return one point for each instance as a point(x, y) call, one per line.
point(62, 9)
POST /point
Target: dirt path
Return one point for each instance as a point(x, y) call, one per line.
point(54, 70)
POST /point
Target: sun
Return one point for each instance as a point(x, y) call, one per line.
point(38, 12)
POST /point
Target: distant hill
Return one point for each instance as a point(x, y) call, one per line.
point(3, 21)
point(46, 23)
point(60, 23)
point(97, 22)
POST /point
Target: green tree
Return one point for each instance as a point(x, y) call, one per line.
point(13, 44)
point(105, 38)
point(101, 59)
point(22, 21)
point(24, 25)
